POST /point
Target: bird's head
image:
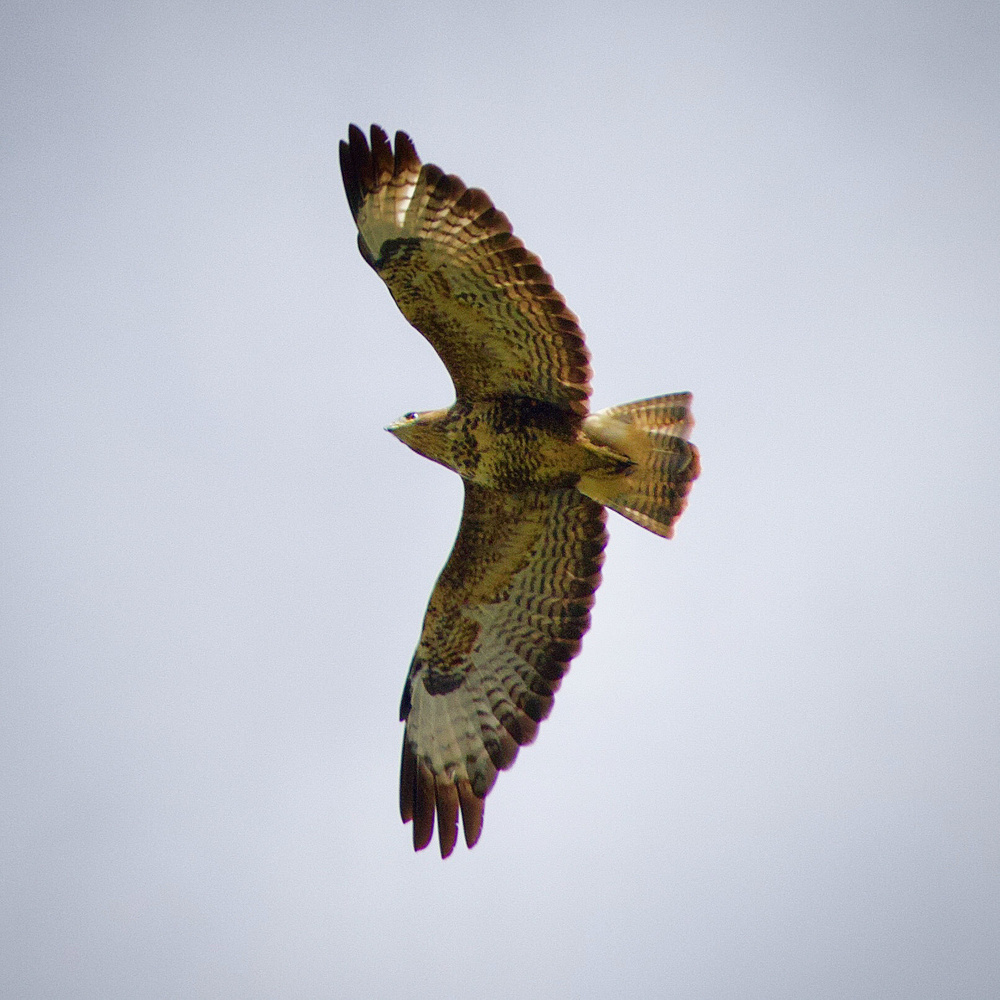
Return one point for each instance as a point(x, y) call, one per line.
point(425, 434)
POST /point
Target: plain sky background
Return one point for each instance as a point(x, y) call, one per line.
point(772, 772)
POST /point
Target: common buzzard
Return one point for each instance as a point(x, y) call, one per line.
point(508, 612)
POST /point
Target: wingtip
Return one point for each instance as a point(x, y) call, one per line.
point(422, 796)
point(423, 807)
point(472, 812)
point(407, 783)
point(381, 155)
point(406, 153)
point(353, 154)
point(365, 165)
point(447, 815)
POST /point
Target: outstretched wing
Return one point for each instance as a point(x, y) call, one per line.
point(461, 278)
point(504, 621)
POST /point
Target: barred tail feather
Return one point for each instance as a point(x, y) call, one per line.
point(662, 464)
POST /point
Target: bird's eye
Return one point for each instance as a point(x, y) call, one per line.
point(410, 416)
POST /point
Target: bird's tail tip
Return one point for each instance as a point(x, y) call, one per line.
point(652, 433)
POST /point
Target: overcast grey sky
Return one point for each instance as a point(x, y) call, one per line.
point(772, 772)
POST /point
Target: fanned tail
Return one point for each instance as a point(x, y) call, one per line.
point(652, 487)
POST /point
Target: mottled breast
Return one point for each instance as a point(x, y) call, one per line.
point(516, 443)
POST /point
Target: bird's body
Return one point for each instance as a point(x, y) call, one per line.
point(513, 601)
point(510, 443)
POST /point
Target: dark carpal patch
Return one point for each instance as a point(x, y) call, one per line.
point(438, 682)
point(397, 252)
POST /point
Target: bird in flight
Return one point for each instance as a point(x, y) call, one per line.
point(507, 614)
